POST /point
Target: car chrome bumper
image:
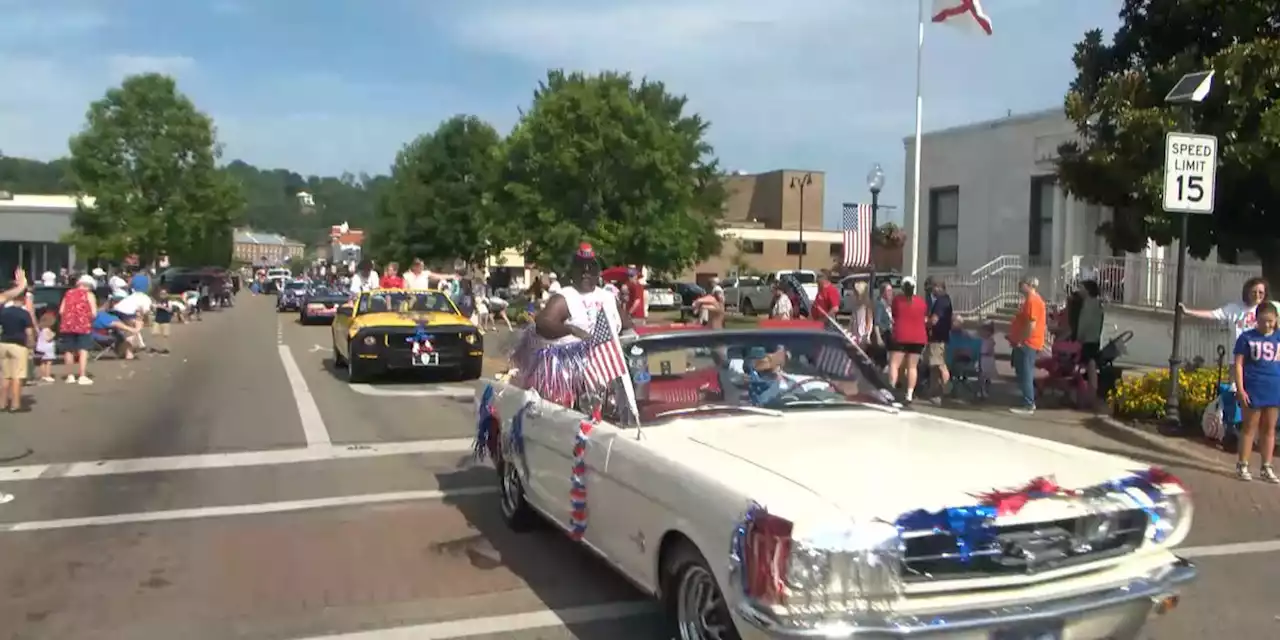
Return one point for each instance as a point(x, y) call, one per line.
point(1118, 611)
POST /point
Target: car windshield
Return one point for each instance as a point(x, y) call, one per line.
point(803, 277)
point(296, 286)
point(403, 301)
point(47, 296)
point(751, 371)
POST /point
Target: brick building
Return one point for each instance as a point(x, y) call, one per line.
point(260, 247)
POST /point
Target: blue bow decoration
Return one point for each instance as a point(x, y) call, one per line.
point(419, 335)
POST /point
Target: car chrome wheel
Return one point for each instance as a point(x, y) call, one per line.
point(512, 491)
point(701, 613)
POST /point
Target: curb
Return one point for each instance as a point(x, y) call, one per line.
point(1119, 431)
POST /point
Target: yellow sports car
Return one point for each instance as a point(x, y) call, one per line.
point(393, 329)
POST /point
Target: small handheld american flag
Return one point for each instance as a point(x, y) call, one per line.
point(604, 354)
point(857, 235)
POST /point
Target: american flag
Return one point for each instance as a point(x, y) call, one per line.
point(833, 361)
point(857, 235)
point(604, 354)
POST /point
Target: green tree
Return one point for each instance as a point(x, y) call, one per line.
point(602, 159)
point(438, 204)
point(20, 175)
point(1117, 104)
point(149, 158)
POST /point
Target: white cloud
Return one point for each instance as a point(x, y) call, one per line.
point(822, 84)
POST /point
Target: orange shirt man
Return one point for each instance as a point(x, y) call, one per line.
point(1028, 326)
point(1026, 336)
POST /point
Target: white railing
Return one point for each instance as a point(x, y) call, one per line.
point(1140, 281)
point(985, 289)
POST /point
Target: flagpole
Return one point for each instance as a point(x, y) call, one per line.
point(914, 271)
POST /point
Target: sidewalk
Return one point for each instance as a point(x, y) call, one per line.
point(1094, 430)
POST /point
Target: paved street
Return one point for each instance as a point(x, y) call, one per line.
point(240, 488)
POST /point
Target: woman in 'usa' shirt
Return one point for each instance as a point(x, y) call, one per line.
point(1257, 377)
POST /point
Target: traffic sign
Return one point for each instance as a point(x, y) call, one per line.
point(1190, 172)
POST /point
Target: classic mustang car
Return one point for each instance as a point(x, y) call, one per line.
point(766, 484)
point(385, 330)
point(320, 304)
point(291, 293)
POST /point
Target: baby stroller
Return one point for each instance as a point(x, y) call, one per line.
point(1064, 373)
point(1109, 373)
point(1066, 369)
point(964, 361)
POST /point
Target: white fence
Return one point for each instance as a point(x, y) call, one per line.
point(1139, 291)
point(1139, 281)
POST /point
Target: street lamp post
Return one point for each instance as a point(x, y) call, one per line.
point(875, 182)
point(800, 182)
point(1191, 89)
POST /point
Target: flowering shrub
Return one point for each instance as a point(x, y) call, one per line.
point(1143, 397)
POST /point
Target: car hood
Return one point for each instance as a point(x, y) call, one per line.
point(410, 319)
point(873, 464)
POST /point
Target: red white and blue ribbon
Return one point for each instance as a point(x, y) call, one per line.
point(738, 544)
point(972, 526)
point(487, 426)
point(578, 481)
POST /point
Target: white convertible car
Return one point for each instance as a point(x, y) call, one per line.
point(766, 485)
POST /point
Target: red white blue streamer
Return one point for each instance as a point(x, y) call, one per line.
point(738, 544)
point(487, 426)
point(578, 480)
point(972, 526)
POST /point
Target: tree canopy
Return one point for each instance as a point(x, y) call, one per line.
point(602, 159)
point(270, 203)
point(438, 204)
point(1117, 105)
point(149, 159)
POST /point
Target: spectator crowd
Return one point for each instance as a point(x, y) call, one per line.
point(79, 319)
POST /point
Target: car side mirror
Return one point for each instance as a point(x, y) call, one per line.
point(344, 311)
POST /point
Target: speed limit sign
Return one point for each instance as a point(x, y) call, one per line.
point(1190, 172)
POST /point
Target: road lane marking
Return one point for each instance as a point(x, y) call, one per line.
point(260, 508)
point(493, 625)
point(1234, 549)
point(19, 473)
point(312, 422)
point(447, 391)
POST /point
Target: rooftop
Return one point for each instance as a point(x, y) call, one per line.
point(36, 202)
point(249, 236)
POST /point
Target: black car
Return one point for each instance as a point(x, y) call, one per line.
point(291, 295)
point(320, 303)
point(687, 292)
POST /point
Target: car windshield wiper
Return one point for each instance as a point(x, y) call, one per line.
point(708, 408)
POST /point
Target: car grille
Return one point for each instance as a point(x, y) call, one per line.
point(1024, 549)
point(440, 341)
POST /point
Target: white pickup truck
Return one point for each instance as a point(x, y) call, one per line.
point(753, 294)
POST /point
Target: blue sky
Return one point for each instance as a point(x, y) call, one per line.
point(325, 86)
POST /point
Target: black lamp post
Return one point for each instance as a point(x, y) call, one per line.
point(1191, 89)
point(875, 182)
point(800, 182)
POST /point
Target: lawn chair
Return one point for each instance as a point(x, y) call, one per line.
point(104, 342)
point(964, 361)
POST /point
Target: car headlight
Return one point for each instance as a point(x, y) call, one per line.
point(470, 338)
point(849, 571)
point(369, 341)
point(1169, 520)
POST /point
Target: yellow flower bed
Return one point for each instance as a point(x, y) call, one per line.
point(1143, 397)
